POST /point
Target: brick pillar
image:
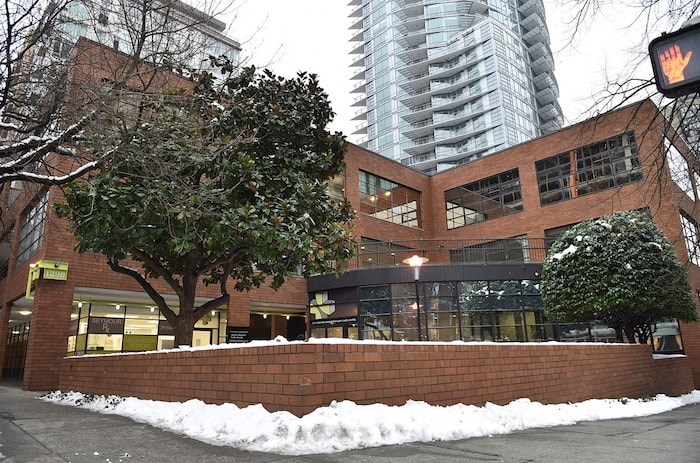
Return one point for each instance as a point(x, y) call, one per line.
point(691, 346)
point(238, 309)
point(4, 322)
point(48, 334)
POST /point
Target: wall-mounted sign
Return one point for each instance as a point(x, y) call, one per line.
point(105, 325)
point(236, 334)
point(165, 328)
point(46, 269)
point(334, 321)
point(320, 306)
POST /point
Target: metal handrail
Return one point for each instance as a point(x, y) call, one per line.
point(451, 251)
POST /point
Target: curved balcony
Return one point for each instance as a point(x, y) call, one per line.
point(544, 80)
point(542, 64)
point(531, 6)
point(546, 96)
point(548, 112)
point(538, 34)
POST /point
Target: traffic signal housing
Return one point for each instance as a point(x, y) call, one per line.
point(675, 59)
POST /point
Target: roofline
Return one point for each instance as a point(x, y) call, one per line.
point(541, 137)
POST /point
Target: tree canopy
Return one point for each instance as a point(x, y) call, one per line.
point(225, 183)
point(620, 270)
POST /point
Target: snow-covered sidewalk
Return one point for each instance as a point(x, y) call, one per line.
point(346, 425)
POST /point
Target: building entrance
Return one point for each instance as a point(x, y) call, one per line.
point(268, 326)
point(15, 351)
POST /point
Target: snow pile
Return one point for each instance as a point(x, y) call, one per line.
point(560, 255)
point(346, 425)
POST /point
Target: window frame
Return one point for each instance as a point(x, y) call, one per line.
point(32, 229)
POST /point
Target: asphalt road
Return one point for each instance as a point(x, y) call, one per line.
point(34, 431)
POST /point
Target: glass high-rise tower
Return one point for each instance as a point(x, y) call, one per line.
point(443, 82)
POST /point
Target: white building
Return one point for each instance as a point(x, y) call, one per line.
point(161, 30)
point(443, 82)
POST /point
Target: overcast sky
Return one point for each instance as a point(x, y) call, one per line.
point(313, 35)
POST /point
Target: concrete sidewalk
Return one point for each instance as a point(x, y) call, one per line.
point(35, 431)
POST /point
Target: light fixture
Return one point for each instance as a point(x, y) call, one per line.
point(153, 309)
point(213, 313)
point(415, 261)
point(118, 307)
point(264, 315)
point(25, 312)
point(80, 304)
point(287, 317)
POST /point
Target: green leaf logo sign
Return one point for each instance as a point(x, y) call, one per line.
point(320, 306)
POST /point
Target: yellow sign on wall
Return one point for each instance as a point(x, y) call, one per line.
point(46, 269)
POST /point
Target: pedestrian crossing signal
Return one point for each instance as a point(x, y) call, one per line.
point(675, 59)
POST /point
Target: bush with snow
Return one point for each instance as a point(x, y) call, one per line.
point(620, 270)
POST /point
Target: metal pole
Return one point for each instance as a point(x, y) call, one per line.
point(420, 330)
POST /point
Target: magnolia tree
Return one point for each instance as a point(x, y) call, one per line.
point(619, 270)
point(227, 183)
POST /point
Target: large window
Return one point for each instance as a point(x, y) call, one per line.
point(457, 310)
point(691, 232)
point(484, 199)
point(607, 164)
point(390, 201)
point(32, 230)
point(101, 328)
point(336, 187)
point(375, 312)
point(5, 252)
point(678, 166)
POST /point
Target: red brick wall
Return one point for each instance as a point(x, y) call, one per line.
point(49, 339)
point(301, 377)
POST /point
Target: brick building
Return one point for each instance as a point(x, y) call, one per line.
point(484, 227)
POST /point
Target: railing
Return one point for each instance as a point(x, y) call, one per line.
point(481, 251)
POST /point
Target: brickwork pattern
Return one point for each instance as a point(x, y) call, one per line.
point(301, 377)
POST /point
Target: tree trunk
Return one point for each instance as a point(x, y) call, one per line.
point(618, 334)
point(629, 332)
point(184, 327)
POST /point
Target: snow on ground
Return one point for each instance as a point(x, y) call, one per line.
point(346, 425)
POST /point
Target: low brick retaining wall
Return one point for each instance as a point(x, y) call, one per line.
point(299, 377)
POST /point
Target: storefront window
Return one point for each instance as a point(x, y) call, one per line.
point(480, 310)
point(403, 308)
point(98, 327)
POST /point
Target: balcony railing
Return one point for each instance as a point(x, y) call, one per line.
point(451, 251)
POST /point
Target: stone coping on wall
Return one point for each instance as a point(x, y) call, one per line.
point(301, 376)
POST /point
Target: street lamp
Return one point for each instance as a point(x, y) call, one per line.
point(415, 262)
